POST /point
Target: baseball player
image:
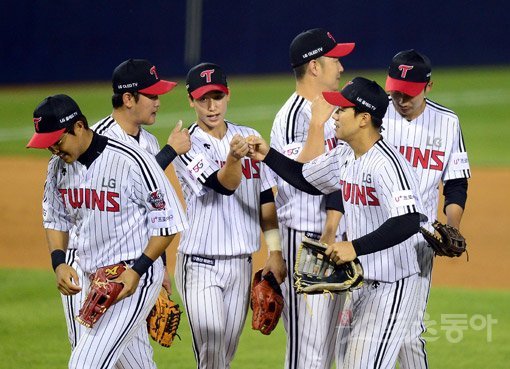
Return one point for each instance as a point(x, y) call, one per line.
point(229, 199)
point(123, 209)
point(136, 87)
point(430, 138)
point(314, 56)
point(380, 195)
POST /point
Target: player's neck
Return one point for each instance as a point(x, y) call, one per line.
point(217, 131)
point(307, 90)
point(361, 144)
point(124, 121)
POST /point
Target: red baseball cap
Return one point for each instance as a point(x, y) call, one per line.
point(206, 77)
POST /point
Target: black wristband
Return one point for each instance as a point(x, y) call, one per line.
point(166, 156)
point(142, 264)
point(163, 257)
point(57, 257)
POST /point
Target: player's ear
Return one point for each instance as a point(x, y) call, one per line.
point(191, 101)
point(428, 87)
point(313, 67)
point(128, 99)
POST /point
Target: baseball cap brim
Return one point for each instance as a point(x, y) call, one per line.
point(159, 88)
point(340, 50)
point(337, 99)
point(406, 87)
point(201, 91)
point(45, 140)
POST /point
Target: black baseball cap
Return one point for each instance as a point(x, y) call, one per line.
point(315, 43)
point(409, 72)
point(51, 118)
point(139, 75)
point(206, 77)
point(362, 93)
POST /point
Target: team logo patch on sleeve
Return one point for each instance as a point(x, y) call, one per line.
point(156, 199)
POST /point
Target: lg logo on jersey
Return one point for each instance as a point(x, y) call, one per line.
point(110, 184)
point(434, 141)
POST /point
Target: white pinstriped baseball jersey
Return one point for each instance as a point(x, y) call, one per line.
point(375, 187)
point(434, 146)
point(296, 209)
point(119, 202)
point(110, 128)
point(220, 225)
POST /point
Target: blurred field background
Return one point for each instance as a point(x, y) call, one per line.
point(32, 327)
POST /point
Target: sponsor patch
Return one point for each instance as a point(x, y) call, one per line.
point(459, 161)
point(161, 219)
point(156, 199)
point(292, 150)
point(403, 198)
point(197, 166)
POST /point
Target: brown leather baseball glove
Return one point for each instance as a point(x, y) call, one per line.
point(449, 243)
point(102, 294)
point(266, 302)
point(164, 319)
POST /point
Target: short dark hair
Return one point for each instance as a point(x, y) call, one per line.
point(117, 100)
point(81, 118)
point(300, 71)
point(376, 122)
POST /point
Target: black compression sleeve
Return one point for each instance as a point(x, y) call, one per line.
point(334, 201)
point(392, 232)
point(166, 156)
point(455, 192)
point(213, 183)
point(266, 196)
point(290, 171)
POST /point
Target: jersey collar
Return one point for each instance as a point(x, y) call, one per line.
point(94, 150)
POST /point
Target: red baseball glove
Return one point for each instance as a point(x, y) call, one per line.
point(102, 294)
point(266, 302)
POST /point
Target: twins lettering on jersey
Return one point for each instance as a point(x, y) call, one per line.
point(91, 198)
point(250, 168)
point(427, 159)
point(359, 195)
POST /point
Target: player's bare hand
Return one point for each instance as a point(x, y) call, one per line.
point(341, 252)
point(276, 264)
point(67, 280)
point(258, 147)
point(130, 280)
point(321, 111)
point(238, 147)
point(179, 139)
point(167, 283)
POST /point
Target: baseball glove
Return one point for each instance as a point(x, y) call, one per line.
point(102, 294)
point(164, 319)
point(266, 302)
point(449, 243)
point(315, 273)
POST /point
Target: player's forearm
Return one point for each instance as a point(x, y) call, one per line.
point(268, 218)
point(454, 215)
point(154, 249)
point(331, 225)
point(56, 240)
point(230, 174)
point(312, 148)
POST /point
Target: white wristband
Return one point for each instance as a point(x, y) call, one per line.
point(272, 237)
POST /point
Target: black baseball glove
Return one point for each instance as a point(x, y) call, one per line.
point(449, 242)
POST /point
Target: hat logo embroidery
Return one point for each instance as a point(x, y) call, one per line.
point(36, 123)
point(331, 37)
point(207, 74)
point(153, 72)
point(404, 69)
